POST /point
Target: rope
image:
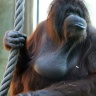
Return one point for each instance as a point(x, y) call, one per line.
point(13, 56)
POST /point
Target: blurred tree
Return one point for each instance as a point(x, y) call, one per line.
point(28, 26)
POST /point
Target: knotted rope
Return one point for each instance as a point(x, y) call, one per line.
point(13, 56)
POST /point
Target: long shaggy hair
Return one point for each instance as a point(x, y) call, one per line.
point(57, 14)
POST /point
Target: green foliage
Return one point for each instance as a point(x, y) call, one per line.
point(6, 23)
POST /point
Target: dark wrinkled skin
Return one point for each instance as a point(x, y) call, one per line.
point(14, 39)
point(60, 66)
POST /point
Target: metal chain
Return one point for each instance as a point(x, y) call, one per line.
point(13, 56)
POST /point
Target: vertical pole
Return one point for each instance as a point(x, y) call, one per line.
point(37, 11)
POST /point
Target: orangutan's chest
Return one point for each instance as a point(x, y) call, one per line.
point(55, 65)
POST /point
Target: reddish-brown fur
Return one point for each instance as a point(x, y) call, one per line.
point(26, 79)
